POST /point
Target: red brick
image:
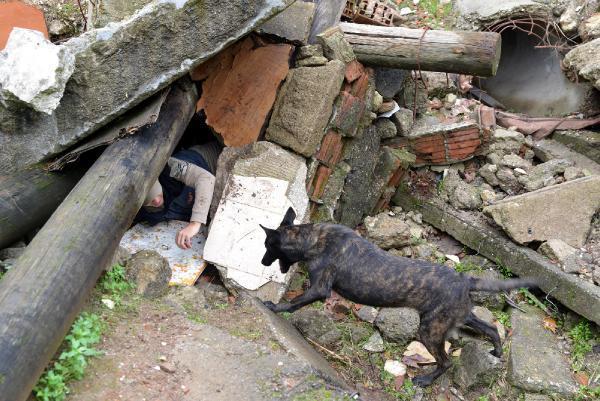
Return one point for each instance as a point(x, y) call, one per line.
point(17, 14)
point(331, 149)
point(360, 86)
point(487, 117)
point(354, 70)
point(320, 181)
point(349, 111)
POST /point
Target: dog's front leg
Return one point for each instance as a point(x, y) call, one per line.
point(320, 288)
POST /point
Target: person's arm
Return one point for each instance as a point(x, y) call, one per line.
point(203, 183)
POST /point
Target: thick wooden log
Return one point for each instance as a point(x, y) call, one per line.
point(463, 52)
point(41, 296)
point(29, 197)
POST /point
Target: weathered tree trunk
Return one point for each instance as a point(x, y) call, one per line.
point(29, 197)
point(472, 53)
point(41, 296)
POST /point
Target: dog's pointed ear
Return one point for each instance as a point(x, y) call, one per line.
point(289, 217)
point(268, 231)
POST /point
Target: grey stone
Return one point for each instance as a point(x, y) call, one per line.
point(304, 105)
point(11, 253)
point(293, 23)
point(26, 81)
point(213, 293)
point(389, 81)
point(387, 129)
point(572, 173)
point(327, 14)
point(492, 300)
point(374, 343)
point(403, 119)
point(408, 99)
point(558, 251)
point(590, 28)
point(569, 20)
point(389, 161)
point(536, 397)
point(506, 142)
point(399, 325)
point(388, 232)
point(460, 194)
point(315, 61)
point(558, 212)
point(535, 362)
point(548, 149)
point(120, 257)
point(515, 161)
point(114, 61)
point(584, 60)
point(367, 313)
point(316, 325)
point(477, 233)
point(335, 46)
point(473, 14)
point(331, 194)
point(108, 11)
point(477, 366)
point(543, 174)
point(508, 181)
point(309, 51)
point(488, 172)
point(439, 84)
point(362, 154)
point(150, 272)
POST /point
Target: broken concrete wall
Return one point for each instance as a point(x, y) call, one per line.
point(265, 181)
point(118, 66)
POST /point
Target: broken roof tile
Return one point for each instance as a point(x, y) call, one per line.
point(17, 14)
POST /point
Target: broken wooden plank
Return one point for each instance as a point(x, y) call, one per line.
point(473, 230)
point(69, 253)
point(464, 52)
point(240, 89)
point(29, 197)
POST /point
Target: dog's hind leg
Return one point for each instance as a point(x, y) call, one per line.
point(432, 334)
point(486, 329)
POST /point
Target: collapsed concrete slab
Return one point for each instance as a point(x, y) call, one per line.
point(262, 185)
point(123, 63)
point(304, 105)
point(548, 149)
point(473, 14)
point(24, 81)
point(582, 141)
point(292, 24)
point(535, 362)
point(585, 61)
point(561, 211)
point(475, 232)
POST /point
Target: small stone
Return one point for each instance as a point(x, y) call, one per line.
point(310, 51)
point(312, 61)
point(572, 173)
point(150, 272)
point(376, 101)
point(316, 325)
point(460, 194)
point(508, 181)
point(395, 368)
point(168, 367)
point(488, 197)
point(543, 174)
point(398, 325)
point(477, 366)
point(387, 129)
point(403, 119)
point(488, 172)
point(559, 251)
point(514, 161)
point(388, 232)
point(367, 313)
point(109, 303)
point(519, 171)
point(386, 107)
point(453, 258)
point(374, 343)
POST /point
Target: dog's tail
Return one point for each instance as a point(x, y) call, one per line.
point(477, 284)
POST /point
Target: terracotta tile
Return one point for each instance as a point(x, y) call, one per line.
point(360, 86)
point(331, 149)
point(320, 180)
point(348, 113)
point(354, 70)
point(17, 14)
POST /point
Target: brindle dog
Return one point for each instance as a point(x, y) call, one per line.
point(338, 258)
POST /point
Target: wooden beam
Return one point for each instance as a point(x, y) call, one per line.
point(463, 52)
point(41, 296)
point(29, 197)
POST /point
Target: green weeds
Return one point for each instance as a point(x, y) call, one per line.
point(405, 393)
point(581, 335)
point(586, 393)
point(467, 267)
point(114, 283)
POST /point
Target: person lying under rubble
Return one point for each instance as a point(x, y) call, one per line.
point(183, 191)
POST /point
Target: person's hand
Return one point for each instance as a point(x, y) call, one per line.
point(184, 237)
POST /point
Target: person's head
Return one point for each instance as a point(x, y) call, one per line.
point(154, 197)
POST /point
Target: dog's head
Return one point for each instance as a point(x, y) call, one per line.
point(274, 243)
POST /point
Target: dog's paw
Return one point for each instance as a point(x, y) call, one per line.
point(270, 305)
point(422, 381)
point(497, 353)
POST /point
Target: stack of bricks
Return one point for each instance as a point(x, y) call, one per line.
point(373, 12)
point(349, 110)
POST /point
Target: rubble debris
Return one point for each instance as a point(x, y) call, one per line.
point(548, 149)
point(150, 273)
point(584, 142)
point(109, 11)
point(543, 174)
point(590, 28)
point(372, 12)
point(23, 80)
point(117, 74)
point(431, 50)
point(234, 112)
point(374, 343)
point(367, 313)
point(540, 127)
point(399, 325)
point(403, 119)
point(335, 46)
point(583, 59)
point(540, 215)
point(262, 185)
point(535, 362)
point(389, 171)
point(391, 231)
point(395, 368)
point(186, 264)
point(327, 14)
point(477, 366)
point(475, 232)
point(16, 14)
point(310, 56)
point(292, 24)
point(304, 105)
point(444, 143)
point(476, 14)
point(559, 251)
point(460, 194)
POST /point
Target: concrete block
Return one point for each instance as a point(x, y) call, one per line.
point(293, 23)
